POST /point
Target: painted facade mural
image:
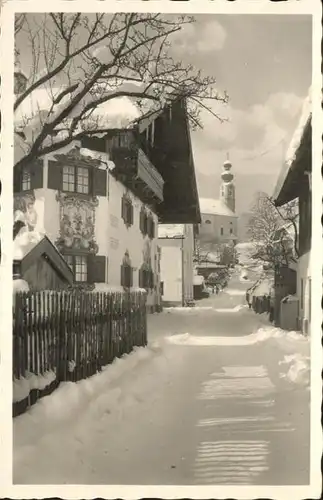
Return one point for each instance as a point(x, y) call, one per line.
point(77, 223)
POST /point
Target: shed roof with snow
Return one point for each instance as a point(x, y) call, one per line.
point(30, 246)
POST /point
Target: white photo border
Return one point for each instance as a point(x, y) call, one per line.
point(7, 489)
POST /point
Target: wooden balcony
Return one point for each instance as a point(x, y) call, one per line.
point(147, 173)
point(135, 170)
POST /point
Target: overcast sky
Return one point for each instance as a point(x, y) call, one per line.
point(264, 63)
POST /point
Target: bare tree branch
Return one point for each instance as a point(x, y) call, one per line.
point(81, 60)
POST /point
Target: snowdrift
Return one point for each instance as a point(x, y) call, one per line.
point(261, 335)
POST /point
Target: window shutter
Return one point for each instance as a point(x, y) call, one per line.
point(122, 275)
point(146, 224)
point(128, 213)
point(152, 225)
point(99, 182)
point(141, 285)
point(107, 273)
point(123, 209)
point(131, 213)
point(130, 276)
point(96, 268)
point(16, 180)
point(128, 273)
point(55, 177)
point(141, 221)
point(151, 279)
point(36, 172)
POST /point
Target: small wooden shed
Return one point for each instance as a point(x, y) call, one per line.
point(40, 264)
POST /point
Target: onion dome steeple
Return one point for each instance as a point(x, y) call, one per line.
point(227, 192)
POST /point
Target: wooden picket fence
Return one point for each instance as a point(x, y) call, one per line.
point(68, 336)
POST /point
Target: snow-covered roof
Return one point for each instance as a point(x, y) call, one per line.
point(24, 242)
point(170, 230)
point(298, 134)
point(215, 207)
point(96, 155)
point(211, 265)
point(289, 163)
point(119, 112)
point(211, 257)
point(198, 279)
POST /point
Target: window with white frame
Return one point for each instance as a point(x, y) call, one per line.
point(78, 264)
point(68, 178)
point(26, 180)
point(76, 179)
point(80, 268)
point(82, 180)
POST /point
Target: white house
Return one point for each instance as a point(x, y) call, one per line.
point(106, 233)
point(99, 199)
point(176, 242)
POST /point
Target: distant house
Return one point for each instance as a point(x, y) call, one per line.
point(207, 269)
point(295, 183)
point(100, 199)
point(176, 242)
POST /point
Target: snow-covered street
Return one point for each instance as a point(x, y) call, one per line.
point(217, 397)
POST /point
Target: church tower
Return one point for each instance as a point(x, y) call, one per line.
point(227, 190)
